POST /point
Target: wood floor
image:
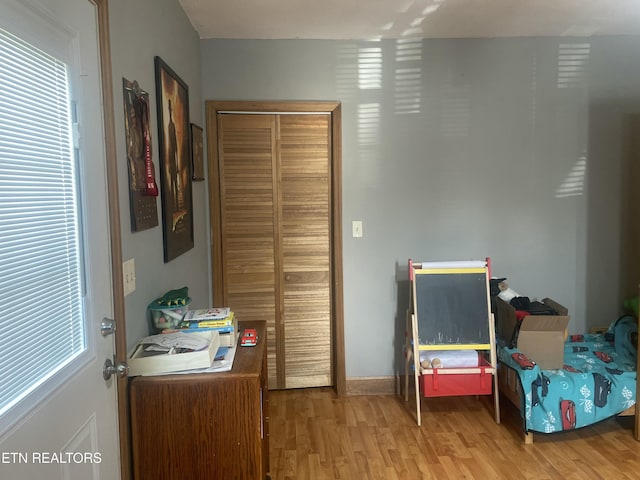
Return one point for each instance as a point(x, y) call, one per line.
point(316, 435)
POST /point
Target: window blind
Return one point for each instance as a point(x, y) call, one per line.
point(41, 307)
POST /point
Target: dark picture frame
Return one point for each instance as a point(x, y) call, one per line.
point(172, 98)
point(142, 183)
point(197, 152)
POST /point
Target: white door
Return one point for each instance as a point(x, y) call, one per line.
point(67, 427)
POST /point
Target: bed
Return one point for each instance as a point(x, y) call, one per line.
point(598, 381)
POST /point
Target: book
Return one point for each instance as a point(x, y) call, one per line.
point(229, 339)
point(196, 328)
point(204, 323)
point(213, 313)
point(160, 354)
point(226, 339)
point(228, 326)
point(222, 351)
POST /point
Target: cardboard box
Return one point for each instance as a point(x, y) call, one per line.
point(142, 362)
point(541, 338)
point(505, 320)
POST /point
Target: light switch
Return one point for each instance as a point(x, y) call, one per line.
point(129, 276)
point(357, 228)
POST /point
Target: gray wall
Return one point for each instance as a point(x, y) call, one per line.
point(462, 149)
point(141, 30)
point(452, 149)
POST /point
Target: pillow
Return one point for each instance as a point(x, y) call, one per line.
point(625, 340)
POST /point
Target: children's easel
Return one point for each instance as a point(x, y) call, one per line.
point(450, 309)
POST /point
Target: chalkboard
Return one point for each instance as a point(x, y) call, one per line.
point(452, 308)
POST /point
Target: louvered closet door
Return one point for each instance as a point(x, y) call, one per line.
point(274, 173)
point(247, 161)
point(304, 171)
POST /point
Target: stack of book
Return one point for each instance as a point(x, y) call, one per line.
point(220, 319)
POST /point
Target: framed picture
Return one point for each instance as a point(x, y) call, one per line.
point(197, 152)
point(142, 183)
point(172, 98)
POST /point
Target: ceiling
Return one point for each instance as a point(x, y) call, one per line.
point(375, 19)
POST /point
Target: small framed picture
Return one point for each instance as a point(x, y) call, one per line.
point(197, 153)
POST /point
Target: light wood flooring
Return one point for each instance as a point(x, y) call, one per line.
point(316, 435)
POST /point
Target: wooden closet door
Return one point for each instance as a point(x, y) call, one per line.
point(275, 194)
point(304, 197)
point(248, 215)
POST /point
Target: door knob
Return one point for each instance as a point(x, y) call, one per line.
point(107, 326)
point(121, 369)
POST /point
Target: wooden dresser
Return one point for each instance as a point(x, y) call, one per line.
point(207, 425)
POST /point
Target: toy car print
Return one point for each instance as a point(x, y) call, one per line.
point(568, 414)
point(602, 387)
point(605, 357)
point(541, 381)
point(570, 368)
point(522, 360)
point(249, 338)
point(614, 371)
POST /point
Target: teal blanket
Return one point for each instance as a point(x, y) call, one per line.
point(598, 380)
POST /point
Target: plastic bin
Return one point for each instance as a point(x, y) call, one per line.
point(163, 316)
point(439, 384)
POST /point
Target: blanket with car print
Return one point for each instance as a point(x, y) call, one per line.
point(596, 382)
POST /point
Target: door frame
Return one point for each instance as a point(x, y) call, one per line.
point(334, 108)
point(115, 233)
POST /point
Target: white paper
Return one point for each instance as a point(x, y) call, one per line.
point(454, 264)
point(167, 341)
point(223, 365)
point(451, 358)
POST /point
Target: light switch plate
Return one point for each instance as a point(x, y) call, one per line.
point(357, 228)
point(129, 276)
